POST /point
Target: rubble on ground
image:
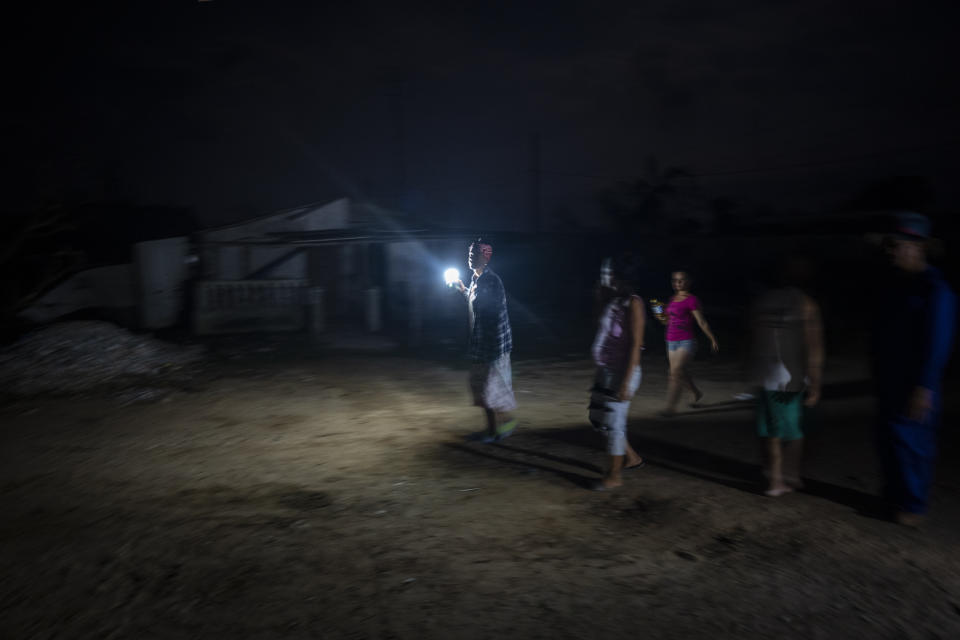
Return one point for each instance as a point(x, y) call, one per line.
point(88, 356)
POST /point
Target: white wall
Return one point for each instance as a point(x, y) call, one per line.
point(161, 271)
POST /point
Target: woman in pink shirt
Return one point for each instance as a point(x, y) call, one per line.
point(679, 314)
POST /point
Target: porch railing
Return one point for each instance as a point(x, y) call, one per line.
point(235, 306)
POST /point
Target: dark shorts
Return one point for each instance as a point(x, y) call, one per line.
point(779, 414)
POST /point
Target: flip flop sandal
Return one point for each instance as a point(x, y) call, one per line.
point(505, 431)
point(776, 493)
point(599, 486)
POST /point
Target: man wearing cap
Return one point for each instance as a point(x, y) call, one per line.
point(490, 344)
point(912, 343)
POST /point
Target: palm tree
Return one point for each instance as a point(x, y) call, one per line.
point(37, 245)
point(655, 190)
point(642, 204)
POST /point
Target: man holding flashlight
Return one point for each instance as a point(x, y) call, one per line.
point(490, 344)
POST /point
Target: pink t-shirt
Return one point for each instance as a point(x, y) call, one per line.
point(680, 318)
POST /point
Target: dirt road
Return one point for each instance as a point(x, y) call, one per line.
point(334, 497)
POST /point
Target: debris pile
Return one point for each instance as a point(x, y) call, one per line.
point(79, 357)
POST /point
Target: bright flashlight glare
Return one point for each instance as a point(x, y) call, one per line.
point(451, 275)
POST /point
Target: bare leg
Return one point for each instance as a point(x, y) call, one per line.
point(613, 477)
point(632, 459)
point(687, 381)
point(673, 383)
point(679, 378)
point(792, 454)
point(619, 463)
point(683, 371)
point(775, 468)
point(491, 421)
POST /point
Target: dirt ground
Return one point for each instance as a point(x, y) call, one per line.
point(316, 495)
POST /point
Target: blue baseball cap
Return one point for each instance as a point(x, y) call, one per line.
point(911, 225)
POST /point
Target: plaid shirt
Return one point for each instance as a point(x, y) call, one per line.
point(490, 335)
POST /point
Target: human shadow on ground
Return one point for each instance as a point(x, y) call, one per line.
point(723, 404)
point(700, 464)
point(716, 407)
point(549, 456)
point(833, 391)
point(724, 470)
point(522, 451)
point(495, 452)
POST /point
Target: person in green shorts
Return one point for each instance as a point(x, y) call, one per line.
point(787, 364)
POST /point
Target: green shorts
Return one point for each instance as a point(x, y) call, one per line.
point(779, 414)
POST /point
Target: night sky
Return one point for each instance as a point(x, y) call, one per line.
point(237, 109)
